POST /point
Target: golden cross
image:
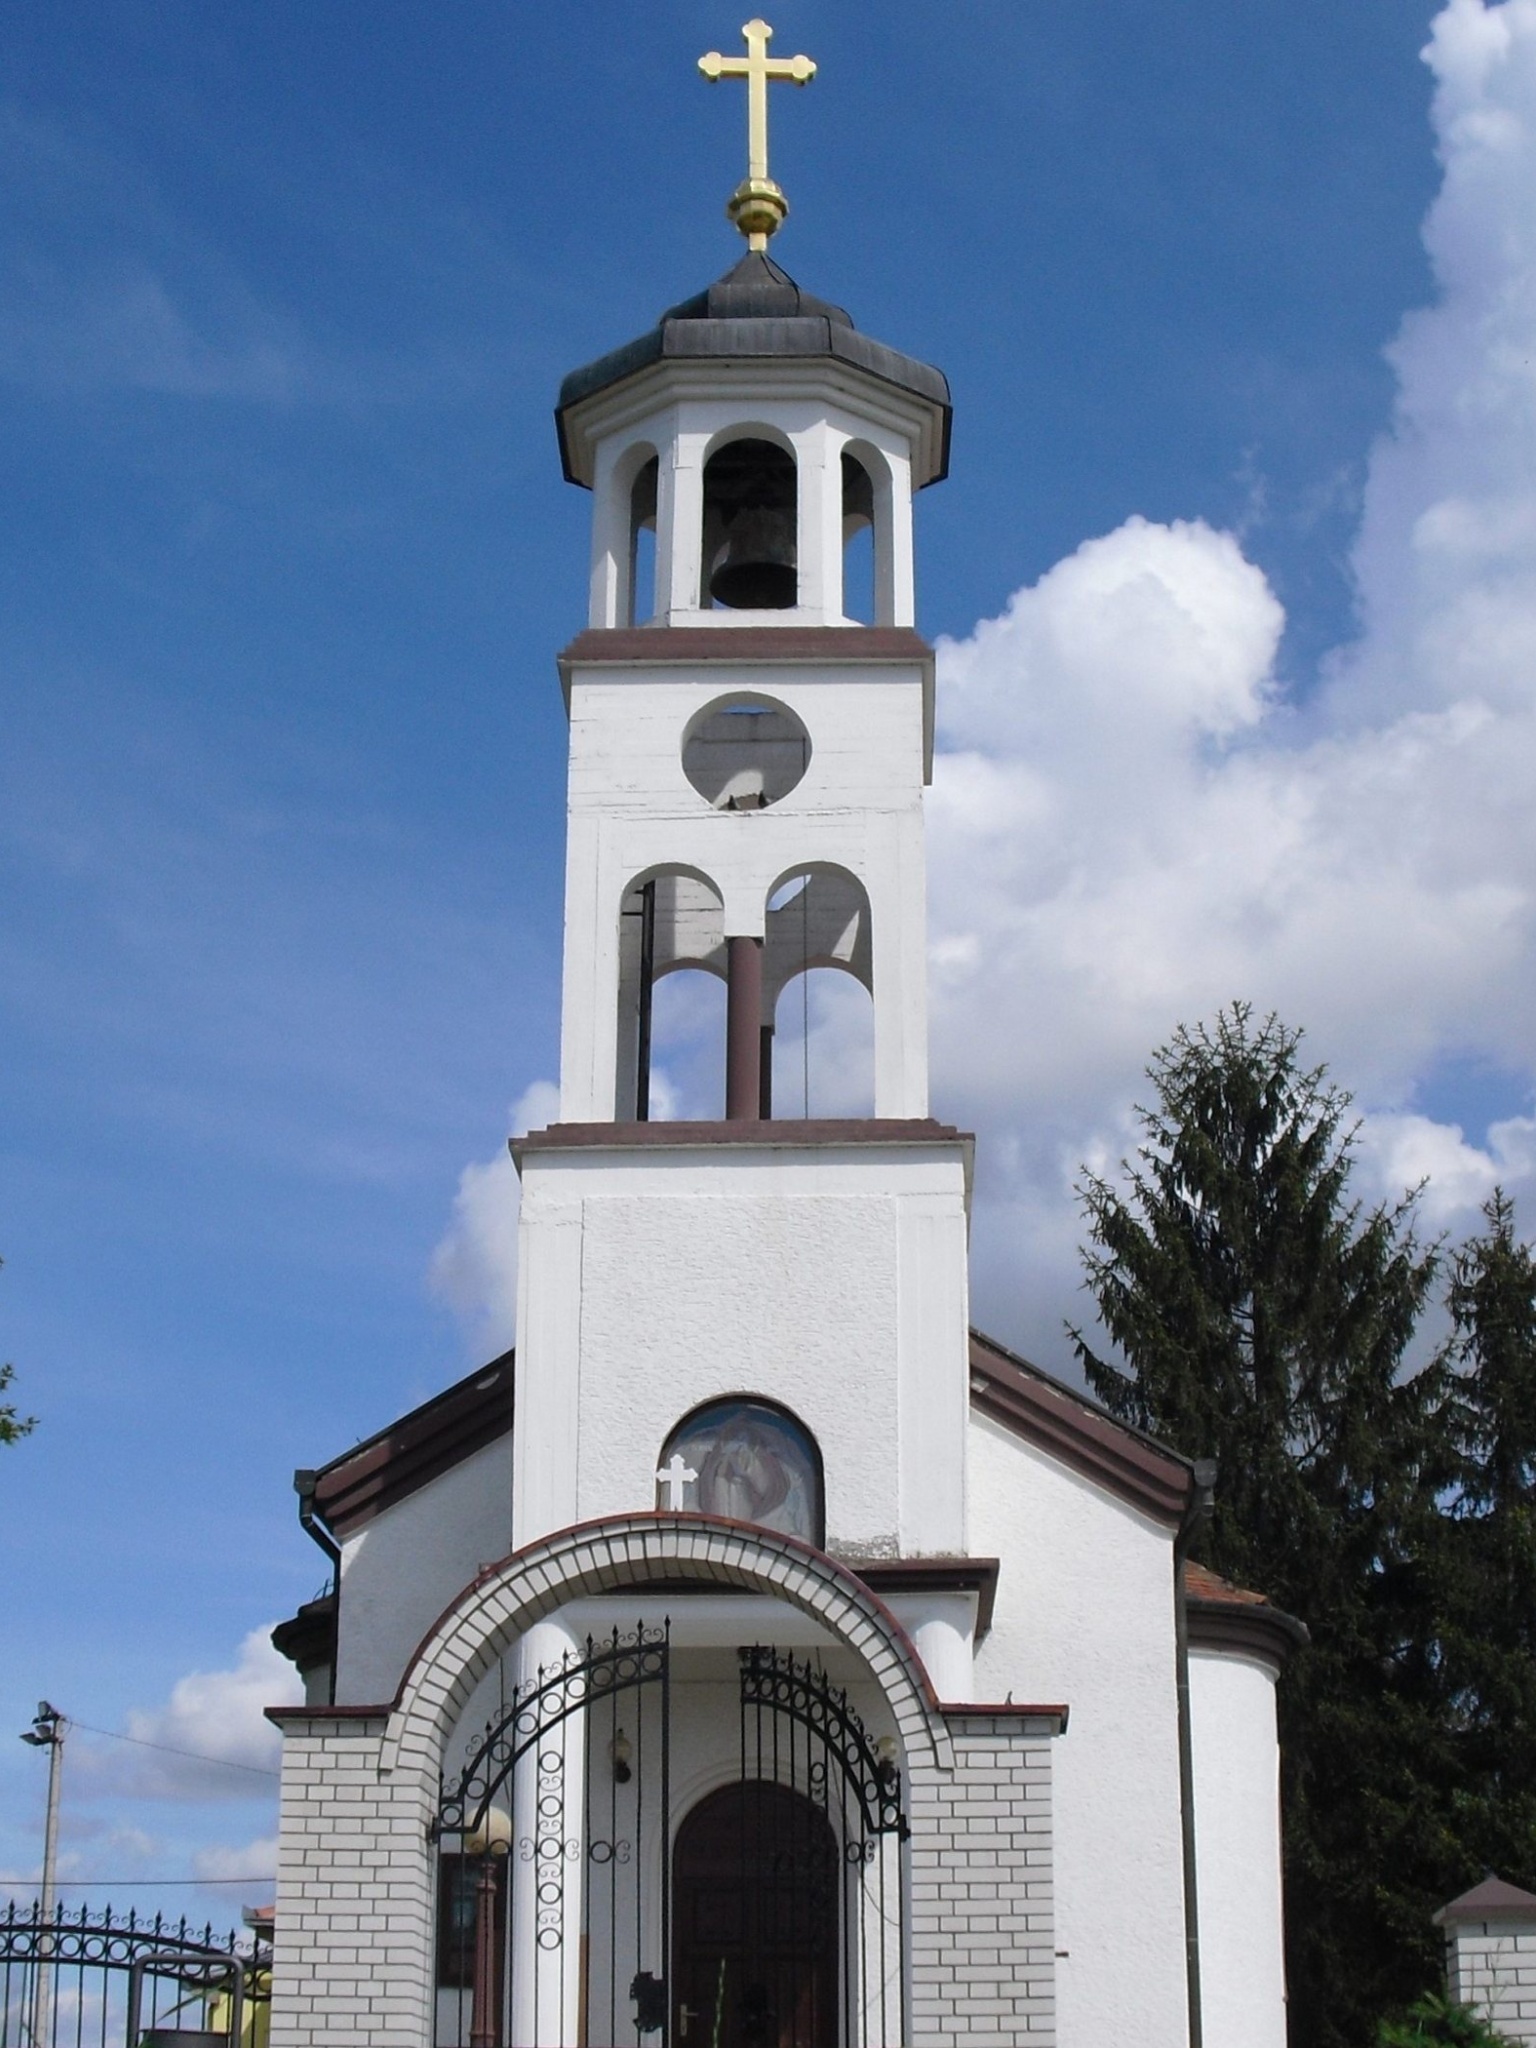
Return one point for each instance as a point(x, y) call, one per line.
point(757, 205)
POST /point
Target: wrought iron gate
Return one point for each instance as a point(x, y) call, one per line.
point(556, 1909)
point(98, 1980)
point(554, 1843)
point(799, 1730)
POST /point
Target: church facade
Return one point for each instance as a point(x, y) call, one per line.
point(757, 1654)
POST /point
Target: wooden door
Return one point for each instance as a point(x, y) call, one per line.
point(755, 1904)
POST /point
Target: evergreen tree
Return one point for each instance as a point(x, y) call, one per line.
point(12, 1425)
point(1488, 1565)
point(1434, 2022)
point(1262, 1317)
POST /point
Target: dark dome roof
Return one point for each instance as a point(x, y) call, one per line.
point(756, 311)
point(755, 290)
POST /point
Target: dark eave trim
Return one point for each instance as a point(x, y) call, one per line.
point(788, 1133)
point(1011, 1391)
point(1052, 1719)
point(772, 339)
point(308, 1639)
point(978, 1575)
point(282, 1717)
point(1246, 1628)
point(671, 646)
point(393, 1464)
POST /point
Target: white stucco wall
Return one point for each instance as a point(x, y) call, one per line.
point(1085, 1617)
point(858, 807)
point(1237, 1850)
point(401, 1570)
point(829, 1278)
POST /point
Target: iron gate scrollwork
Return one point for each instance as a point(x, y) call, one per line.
point(558, 1861)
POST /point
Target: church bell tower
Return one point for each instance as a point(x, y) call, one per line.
point(747, 765)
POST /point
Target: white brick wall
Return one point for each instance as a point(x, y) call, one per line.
point(1492, 1965)
point(354, 1894)
point(982, 1956)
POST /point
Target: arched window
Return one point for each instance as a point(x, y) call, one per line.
point(748, 1460)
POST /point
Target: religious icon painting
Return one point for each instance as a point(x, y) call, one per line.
point(749, 1462)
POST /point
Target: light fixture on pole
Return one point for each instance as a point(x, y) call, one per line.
point(47, 1732)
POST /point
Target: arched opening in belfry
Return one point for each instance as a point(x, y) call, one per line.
point(672, 964)
point(642, 543)
point(750, 521)
point(818, 1056)
point(687, 1072)
point(858, 541)
point(823, 1047)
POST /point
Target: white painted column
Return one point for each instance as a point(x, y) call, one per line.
point(943, 1631)
point(680, 525)
point(895, 583)
point(608, 604)
point(819, 545)
point(547, 1862)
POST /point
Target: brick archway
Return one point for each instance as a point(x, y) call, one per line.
point(631, 1550)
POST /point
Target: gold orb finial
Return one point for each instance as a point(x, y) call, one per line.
point(758, 205)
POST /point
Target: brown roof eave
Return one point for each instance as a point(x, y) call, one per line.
point(393, 1464)
point(1053, 1418)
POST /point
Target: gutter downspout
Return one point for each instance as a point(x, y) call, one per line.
point(304, 1481)
point(1196, 1514)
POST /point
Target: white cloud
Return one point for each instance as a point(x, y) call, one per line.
point(474, 1267)
point(213, 1720)
point(1129, 829)
point(1401, 1151)
point(256, 1860)
point(1447, 546)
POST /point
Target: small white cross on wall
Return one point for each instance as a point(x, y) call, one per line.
point(674, 1476)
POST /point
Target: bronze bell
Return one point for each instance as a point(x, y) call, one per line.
point(755, 570)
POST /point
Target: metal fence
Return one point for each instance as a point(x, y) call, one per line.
point(108, 1980)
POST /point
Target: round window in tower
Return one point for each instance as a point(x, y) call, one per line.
point(743, 753)
point(748, 1461)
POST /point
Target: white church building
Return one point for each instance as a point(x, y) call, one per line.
point(758, 1654)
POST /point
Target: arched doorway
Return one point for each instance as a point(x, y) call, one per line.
point(755, 1921)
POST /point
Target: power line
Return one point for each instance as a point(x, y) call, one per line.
point(167, 1749)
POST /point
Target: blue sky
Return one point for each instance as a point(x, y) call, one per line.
point(1238, 307)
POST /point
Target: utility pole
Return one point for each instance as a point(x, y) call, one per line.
point(47, 1732)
